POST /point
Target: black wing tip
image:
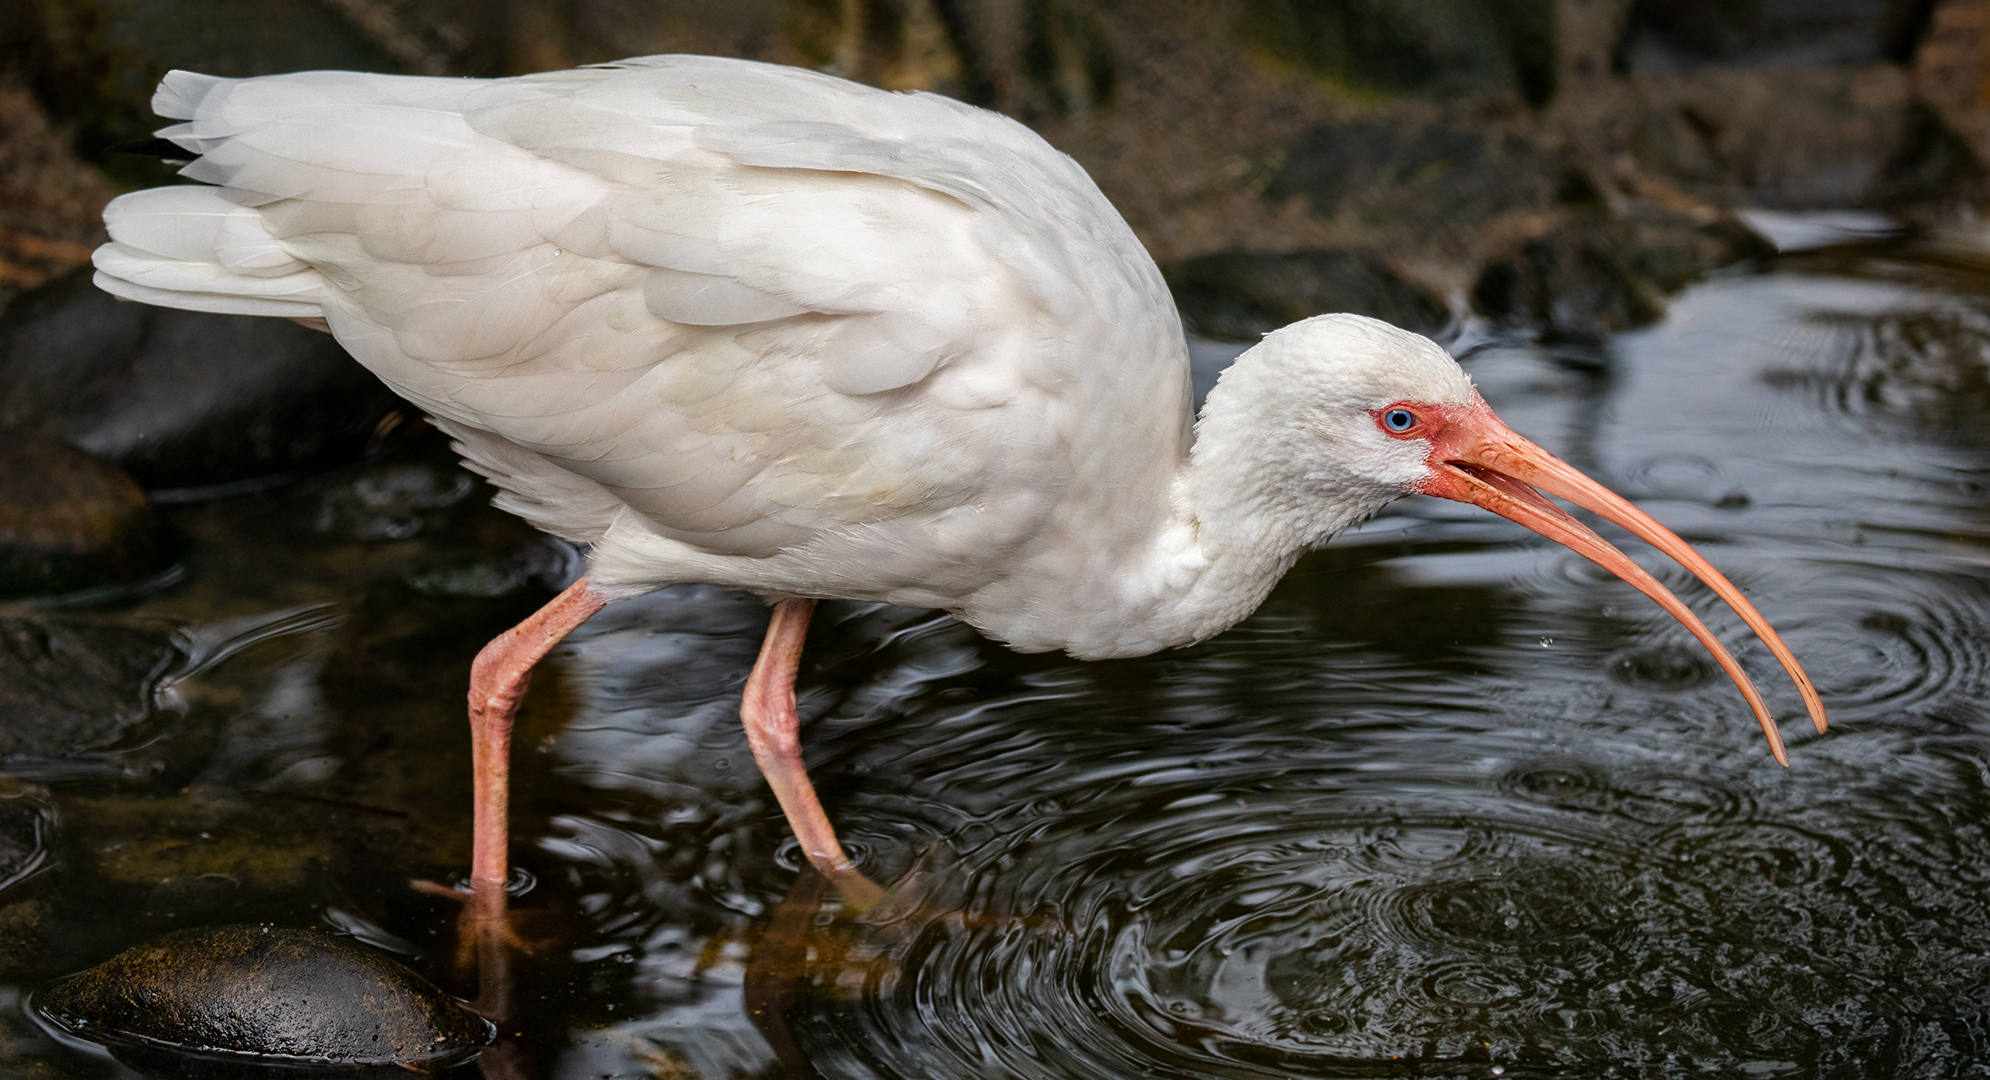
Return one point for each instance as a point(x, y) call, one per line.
point(163, 149)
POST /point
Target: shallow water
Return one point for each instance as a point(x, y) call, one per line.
point(1453, 803)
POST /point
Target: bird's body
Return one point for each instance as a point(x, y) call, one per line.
point(728, 322)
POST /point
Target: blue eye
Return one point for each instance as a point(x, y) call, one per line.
point(1399, 419)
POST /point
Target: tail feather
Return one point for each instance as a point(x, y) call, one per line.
point(318, 143)
point(180, 93)
point(188, 247)
point(220, 303)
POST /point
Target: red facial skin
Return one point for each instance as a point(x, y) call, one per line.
point(1475, 458)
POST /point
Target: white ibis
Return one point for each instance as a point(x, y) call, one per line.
point(729, 322)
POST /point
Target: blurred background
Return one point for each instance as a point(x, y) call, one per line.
point(1567, 162)
point(1450, 804)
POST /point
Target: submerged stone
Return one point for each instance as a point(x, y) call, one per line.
point(71, 687)
point(239, 996)
point(24, 826)
point(69, 521)
point(26, 822)
point(191, 850)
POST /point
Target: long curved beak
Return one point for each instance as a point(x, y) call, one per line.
point(1476, 458)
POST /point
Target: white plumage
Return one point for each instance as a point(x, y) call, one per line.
point(729, 322)
point(723, 321)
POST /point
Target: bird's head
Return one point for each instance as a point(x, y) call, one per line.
point(1328, 420)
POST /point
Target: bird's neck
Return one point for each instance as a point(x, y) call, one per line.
point(1249, 500)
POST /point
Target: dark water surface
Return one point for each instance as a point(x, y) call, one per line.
point(1453, 803)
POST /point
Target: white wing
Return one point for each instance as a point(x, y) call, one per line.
point(754, 305)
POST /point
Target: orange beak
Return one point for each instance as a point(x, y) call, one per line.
point(1476, 458)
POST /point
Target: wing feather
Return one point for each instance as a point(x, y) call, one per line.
point(753, 306)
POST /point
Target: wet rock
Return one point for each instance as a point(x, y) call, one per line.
point(195, 1000)
point(1239, 296)
point(1594, 275)
point(1671, 250)
point(69, 521)
point(24, 823)
point(70, 688)
point(183, 399)
point(1391, 170)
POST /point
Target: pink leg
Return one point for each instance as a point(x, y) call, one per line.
point(774, 731)
point(498, 679)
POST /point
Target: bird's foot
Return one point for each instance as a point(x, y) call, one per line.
point(921, 897)
point(795, 951)
point(867, 904)
point(486, 922)
point(860, 894)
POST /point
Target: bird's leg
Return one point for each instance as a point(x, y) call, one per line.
point(498, 679)
point(774, 731)
point(777, 971)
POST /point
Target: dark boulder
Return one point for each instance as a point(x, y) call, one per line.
point(1240, 295)
point(69, 521)
point(1670, 251)
point(215, 1000)
point(1594, 275)
point(183, 399)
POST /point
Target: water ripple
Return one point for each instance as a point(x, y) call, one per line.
point(1912, 371)
point(1899, 645)
point(1454, 802)
point(1577, 916)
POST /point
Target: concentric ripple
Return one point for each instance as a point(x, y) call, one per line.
point(1581, 917)
point(1901, 645)
point(1918, 371)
